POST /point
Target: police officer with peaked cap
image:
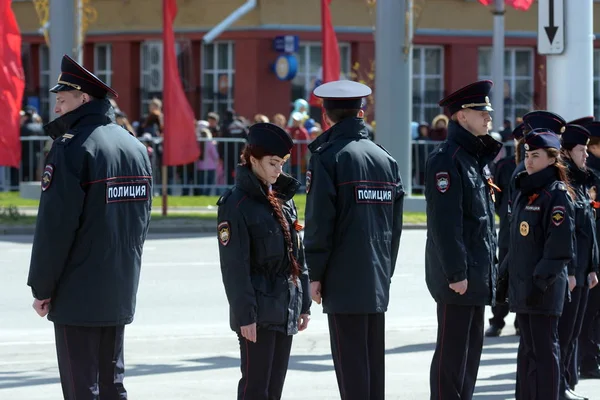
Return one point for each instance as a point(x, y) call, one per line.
point(460, 255)
point(541, 246)
point(502, 178)
point(589, 340)
point(583, 268)
point(92, 223)
point(354, 208)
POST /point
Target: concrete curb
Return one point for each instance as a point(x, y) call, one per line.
point(170, 227)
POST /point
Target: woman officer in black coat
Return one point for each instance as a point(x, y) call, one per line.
point(262, 262)
point(541, 246)
point(584, 266)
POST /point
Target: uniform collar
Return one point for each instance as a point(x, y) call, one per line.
point(530, 183)
point(593, 162)
point(97, 111)
point(285, 188)
point(485, 147)
point(350, 128)
point(576, 174)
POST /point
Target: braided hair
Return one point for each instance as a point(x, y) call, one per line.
point(277, 208)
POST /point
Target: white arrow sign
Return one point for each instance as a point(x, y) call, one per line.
point(551, 27)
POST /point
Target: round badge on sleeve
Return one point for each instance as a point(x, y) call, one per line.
point(47, 176)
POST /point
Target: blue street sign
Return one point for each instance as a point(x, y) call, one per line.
point(286, 44)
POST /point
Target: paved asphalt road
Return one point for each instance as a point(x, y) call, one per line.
point(180, 346)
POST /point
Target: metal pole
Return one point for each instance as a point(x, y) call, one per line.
point(393, 82)
point(570, 75)
point(62, 40)
point(79, 29)
point(498, 66)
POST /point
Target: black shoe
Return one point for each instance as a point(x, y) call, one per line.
point(577, 394)
point(493, 331)
point(590, 373)
point(567, 395)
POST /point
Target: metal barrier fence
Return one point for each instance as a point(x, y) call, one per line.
point(212, 174)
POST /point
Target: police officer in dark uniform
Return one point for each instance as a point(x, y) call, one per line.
point(541, 246)
point(502, 178)
point(460, 253)
point(353, 226)
point(589, 339)
point(262, 262)
point(92, 222)
point(583, 268)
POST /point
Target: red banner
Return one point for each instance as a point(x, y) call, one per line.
point(330, 49)
point(12, 85)
point(180, 145)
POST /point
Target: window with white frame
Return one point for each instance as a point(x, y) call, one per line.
point(152, 72)
point(518, 80)
point(44, 55)
point(103, 62)
point(428, 82)
point(218, 73)
point(152, 69)
point(309, 66)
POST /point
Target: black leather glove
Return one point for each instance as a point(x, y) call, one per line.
point(502, 291)
point(535, 297)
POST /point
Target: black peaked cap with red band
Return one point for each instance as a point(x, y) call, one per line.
point(75, 77)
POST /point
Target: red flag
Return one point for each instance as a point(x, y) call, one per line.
point(330, 49)
point(522, 5)
point(180, 145)
point(12, 85)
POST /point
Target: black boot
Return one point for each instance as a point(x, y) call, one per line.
point(493, 331)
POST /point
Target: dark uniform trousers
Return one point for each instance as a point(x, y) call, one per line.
point(457, 353)
point(569, 329)
point(358, 350)
point(590, 332)
point(264, 365)
point(538, 358)
point(90, 362)
point(500, 311)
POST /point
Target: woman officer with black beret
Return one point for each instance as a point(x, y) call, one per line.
point(262, 262)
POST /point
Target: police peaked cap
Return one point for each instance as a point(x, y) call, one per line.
point(541, 139)
point(519, 131)
point(545, 120)
point(474, 96)
point(574, 135)
point(342, 94)
point(583, 121)
point(271, 138)
point(594, 129)
point(75, 77)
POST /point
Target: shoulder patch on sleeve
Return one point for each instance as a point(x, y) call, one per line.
point(442, 181)
point(47, 176)
point(224, 232)
point(558, 215)
point(308, 180)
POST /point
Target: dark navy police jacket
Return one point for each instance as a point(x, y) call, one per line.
point(255, 264)
point(461, 236)
point(93, 219)
point(541, 242)
point(353, 219)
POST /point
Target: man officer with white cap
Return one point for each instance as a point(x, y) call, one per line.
point(353, 226)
